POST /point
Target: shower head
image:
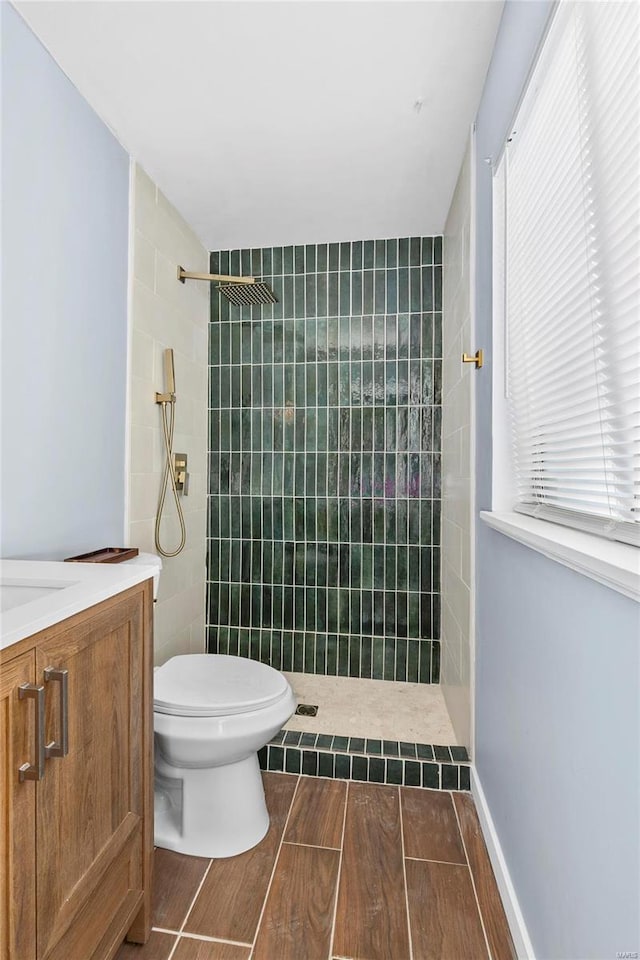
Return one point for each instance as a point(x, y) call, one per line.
point(250, 295)
point(241, 291)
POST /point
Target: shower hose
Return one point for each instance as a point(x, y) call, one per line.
point(167, 430)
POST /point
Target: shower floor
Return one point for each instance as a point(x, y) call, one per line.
point(351, 707)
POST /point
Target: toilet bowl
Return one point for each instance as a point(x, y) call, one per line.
point(211, 714)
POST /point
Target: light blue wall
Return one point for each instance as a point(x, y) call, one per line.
point(557, 692)
point(64, 310)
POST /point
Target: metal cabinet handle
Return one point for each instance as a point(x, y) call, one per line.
point(35, 771)
point(59, 748)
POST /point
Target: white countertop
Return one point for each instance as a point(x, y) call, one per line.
point(76, 586)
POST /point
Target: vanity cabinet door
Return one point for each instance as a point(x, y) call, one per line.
point(17, 810)
point(93, 809)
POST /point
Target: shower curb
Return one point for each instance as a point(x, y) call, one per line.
point(401, 763)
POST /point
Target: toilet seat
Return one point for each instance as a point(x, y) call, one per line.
point(215, 685)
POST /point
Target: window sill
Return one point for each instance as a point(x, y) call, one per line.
point(616, 565)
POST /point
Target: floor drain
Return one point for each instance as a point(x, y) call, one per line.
point(306, 710)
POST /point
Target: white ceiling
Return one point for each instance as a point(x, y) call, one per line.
point(276, 122)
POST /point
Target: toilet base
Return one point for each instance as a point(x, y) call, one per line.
point(212, 811)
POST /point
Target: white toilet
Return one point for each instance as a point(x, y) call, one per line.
point(211, 714)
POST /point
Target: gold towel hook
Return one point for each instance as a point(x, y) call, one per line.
point(478, 358)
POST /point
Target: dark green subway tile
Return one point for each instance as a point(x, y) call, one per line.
point(333, 296)
point(449, 776)
point(322, 299)
point(394, 771)
point(424, 667)
point(292, 761)
point(431, 775)
point(276, 268)
point(310, 258)
point(299, 294)
point(368, 282)
point(344, 308)
point(368, 254)
point(275, 759)
point(343, 766)
point(427, 289)
point(391, 291)
point(380, 291)
point(376, 770)
point(310, 295)
point(411, 774)
point(356, 293)
point(437, 288)
point(359, 768)
point(298, 652)
point(435, 653)
point(332, 652)
point(322, 257)
point(354, 653)
point(413, 660)
point(309, 650)
point(234, 262)
point(343, 656)
point(403, 295)
point(415, 290)
point(326, 765)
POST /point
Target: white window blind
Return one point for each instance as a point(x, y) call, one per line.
point(567, 212)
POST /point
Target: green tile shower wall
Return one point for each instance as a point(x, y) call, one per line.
point(324, 499)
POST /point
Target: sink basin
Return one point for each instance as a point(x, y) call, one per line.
point(15, 593)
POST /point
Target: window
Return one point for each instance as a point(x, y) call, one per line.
point(567, 277)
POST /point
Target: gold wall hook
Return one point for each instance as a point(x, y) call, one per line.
point(478, 358)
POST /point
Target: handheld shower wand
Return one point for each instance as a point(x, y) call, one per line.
point(165, 400)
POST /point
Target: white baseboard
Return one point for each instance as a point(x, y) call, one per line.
point(515, 919)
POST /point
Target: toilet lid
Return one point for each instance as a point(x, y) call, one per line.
point(215, 685)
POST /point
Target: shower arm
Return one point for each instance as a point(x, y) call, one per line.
point(211, 277)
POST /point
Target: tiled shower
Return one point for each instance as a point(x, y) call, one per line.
point(324, 447)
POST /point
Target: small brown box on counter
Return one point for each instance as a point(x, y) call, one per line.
point(105, 555)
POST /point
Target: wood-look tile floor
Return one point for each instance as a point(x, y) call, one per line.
point(347, 870)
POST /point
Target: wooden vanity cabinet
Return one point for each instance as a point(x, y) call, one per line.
point(77, 843)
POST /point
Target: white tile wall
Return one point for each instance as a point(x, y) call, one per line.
point(458, 381)
point(166, 313)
